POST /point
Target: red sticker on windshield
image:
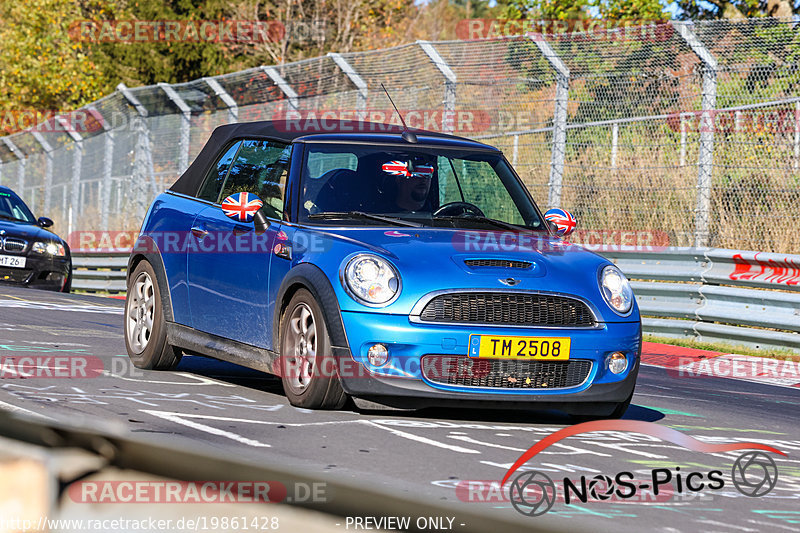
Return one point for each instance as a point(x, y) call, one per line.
point(396, 168)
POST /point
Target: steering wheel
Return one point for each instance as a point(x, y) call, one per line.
point(458, 208)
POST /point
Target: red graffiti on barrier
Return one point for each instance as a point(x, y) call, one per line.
point(785, 272)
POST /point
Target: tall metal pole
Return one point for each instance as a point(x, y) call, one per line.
point(285, 88)
point(358, 81)
point(559, 147)
point(108, 162)
point(186, 125)
point(77, 162)
point(48, 169)
point(705, 158)
point(21, 160)
point(227, 99)
point(448, 117)
point(143, 176)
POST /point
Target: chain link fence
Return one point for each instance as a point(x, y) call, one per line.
point(689, 131)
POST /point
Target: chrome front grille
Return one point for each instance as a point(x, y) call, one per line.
point(13, 245)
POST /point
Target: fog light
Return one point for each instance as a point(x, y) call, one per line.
point(617, 362)
point(378, 354)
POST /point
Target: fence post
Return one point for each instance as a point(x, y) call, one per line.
point(705, 158)
point(796, 134)
point(285, 88)
point(77, 162)
point(48, 169)
point(515, 152)
point(186, 125)
point(614, 141)
point(358, 81)
point(108, 162)
point(448, 117)
point(21, 160)
point(227, 99)
point(143, 158)
point(683, 139)
point(559, 149)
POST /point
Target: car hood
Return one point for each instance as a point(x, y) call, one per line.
point(29, 232)
point(431, 259)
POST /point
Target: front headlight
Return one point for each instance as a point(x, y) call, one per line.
point(50, 248)
point(371, 280)
point(616, 290)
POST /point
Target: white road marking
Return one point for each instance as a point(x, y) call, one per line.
point(424, 440)
point(53, 306)
point(178, 419)
point(470, 440)
point(199, 380)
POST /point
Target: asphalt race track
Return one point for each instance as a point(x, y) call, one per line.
point(430, 453)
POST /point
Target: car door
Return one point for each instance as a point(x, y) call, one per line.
point(228, 273)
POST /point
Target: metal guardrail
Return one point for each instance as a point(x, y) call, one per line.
point(738, 297)
point(99, 272)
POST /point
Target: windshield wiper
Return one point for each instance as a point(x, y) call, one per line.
point(487, 220)
point(361, 214)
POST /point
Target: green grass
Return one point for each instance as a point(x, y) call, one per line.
point(724, 347)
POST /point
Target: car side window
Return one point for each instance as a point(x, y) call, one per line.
point(475, 182)
point(216, 176)
point(261, 167)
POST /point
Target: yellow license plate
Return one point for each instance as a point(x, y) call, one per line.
point(505, 347)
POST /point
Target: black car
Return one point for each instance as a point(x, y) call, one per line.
point(31, 255)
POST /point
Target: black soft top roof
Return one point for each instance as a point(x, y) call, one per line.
point(288, 132)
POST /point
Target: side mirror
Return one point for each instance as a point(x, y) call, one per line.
point(563, 220)
point(44, 222)
point(245, 207)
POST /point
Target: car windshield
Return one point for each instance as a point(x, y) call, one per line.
point(415, 185)
point(12, 208)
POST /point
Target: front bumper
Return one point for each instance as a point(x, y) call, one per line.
point(401, 381)
point(40, 272)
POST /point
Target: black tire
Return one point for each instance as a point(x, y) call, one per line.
point(148, 349)
point(319, 387)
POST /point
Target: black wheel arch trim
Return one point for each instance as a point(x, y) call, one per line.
point(147, 249)
point(319, 285)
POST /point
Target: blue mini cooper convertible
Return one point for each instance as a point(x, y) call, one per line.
point(403, 268)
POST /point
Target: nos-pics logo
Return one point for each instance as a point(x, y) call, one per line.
point(533, 493)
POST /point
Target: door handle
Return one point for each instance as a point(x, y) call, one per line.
point(199, 232)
